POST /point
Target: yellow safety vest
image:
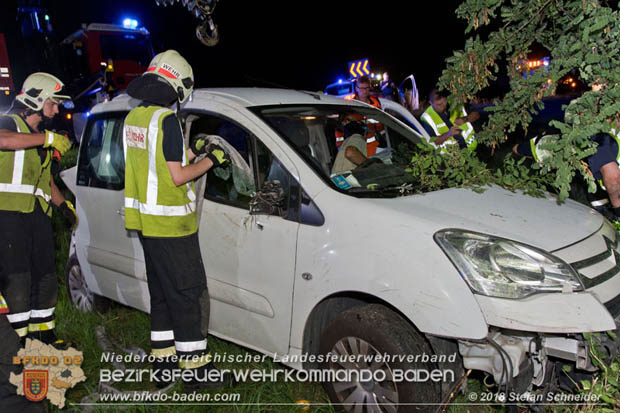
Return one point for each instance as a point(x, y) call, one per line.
point(3, 307)
point(22, 177)
point(153, 203)
point(432, 118)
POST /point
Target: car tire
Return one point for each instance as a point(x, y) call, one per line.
point(376, 330)
point(78, 292)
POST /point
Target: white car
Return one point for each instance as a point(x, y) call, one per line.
point(493, 281)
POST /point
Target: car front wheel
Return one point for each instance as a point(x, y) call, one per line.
point(378, 341)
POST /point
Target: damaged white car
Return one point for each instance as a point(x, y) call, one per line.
point(304, 260)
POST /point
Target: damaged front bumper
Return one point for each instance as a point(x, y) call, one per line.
point(523, 360)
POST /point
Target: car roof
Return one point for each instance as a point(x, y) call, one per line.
point(244, 97)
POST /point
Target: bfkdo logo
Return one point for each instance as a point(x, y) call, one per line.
point(35, 384)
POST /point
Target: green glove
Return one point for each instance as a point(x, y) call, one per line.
point(57, 141)
point(199, 145)
point(218, 156)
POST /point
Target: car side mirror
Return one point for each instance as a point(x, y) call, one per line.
point(269, 200)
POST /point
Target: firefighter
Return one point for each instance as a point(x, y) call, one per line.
point(160, 204)
point(603, 165)
point(27, 190)
point(9, 400)
point(449, 127)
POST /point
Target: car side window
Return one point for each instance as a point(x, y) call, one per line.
point(102, 161)
point(231, 184)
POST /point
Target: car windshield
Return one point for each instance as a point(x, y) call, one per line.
point(360, 150)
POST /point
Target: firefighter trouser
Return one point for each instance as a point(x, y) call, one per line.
point(9, 400)
point(27, 274)
point(179, 299)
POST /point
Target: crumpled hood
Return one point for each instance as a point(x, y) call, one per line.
point(540, 222)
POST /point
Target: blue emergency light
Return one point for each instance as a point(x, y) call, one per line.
point(130, 23)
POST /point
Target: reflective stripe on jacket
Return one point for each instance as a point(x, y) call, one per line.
point(153, 203)
point(22, 177)
point(432, 118)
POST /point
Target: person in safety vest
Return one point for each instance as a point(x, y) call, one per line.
point(160, 204)
point(362, 93)
point(10, 401)
point(602, 165)
point(27, 191)
point(449, 127)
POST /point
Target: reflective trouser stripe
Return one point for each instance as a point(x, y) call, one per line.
point(164, 352)
point(42, 313)
point(162, 335)
point(49, 325)
point(194, 363)
point(22, 332)
point(188, 346)
point(17, 317)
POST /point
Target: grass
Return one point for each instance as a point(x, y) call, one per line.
point(131, 327)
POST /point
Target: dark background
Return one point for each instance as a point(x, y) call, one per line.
point(295, 44)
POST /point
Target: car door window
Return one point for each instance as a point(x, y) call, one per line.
point(102, 161)
point(232, 184)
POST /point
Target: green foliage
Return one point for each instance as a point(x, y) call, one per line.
point(580, 34)
point(606, 385)
point(432, 170)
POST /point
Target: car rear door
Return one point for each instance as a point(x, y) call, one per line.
point(111, 258)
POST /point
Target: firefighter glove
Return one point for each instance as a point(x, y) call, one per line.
point(218, 156)
point(68, 211)
point(199, 145)
point(56, 141)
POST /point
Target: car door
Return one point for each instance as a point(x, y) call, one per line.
point(249, 259)
point(402, 114)
point(111, 258)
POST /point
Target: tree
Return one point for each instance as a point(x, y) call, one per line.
point(580, 34)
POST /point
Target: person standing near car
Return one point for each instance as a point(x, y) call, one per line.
point(449, 127)
point(27, 190)
point(603, 166)
point(362, 93)
point(160, 204)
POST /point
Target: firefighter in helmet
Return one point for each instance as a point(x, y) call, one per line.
point(160, 204)
point(27, 191)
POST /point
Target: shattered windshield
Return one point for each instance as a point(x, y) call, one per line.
point(362, 151)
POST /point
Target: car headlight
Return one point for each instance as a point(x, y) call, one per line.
point(499, 267)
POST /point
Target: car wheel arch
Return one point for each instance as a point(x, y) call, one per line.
point(329, 308)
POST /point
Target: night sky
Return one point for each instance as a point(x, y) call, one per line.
point(296, 44)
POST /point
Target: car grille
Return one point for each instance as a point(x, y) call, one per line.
point(589, 282)
point(597, 261)
point(613, 307)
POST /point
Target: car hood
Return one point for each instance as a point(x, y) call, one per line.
point(540, 222)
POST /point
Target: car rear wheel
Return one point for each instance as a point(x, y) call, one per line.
point(80, 295)
point(366, 334)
